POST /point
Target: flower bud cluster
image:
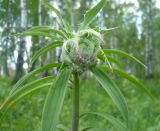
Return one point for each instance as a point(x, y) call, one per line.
point(81, 52)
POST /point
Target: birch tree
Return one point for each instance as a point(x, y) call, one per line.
point(21, 46)
point(37, 21)
point(5, 37)
point(149, 41)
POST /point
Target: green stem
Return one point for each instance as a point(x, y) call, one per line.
point(75, 110)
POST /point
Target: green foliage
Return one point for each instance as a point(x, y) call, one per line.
point(54, 101)
point(24, 91)
point(121, 53)
point(38, 33)
point(112, 90)
point(118, 125)
point(45, 49)
point(81, 51)
point(130, 78)
point(90, 14)
point(31, 74)
point(143, 113)
point(46, 29)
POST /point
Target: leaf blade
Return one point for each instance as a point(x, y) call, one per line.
point(124, 54)
point(23, 91)
point(114, 60)
point(131, 79)
point(46, 29)
point(115, 122)
point(112, 91)
point(30, 74)
point(90, 14)
point(51, 7)
point(46, 49)
point(36, 33)
point(54, 101)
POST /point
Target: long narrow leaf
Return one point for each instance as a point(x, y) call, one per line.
point(32, 84)
point(107, 30)
point(130, 78)
point(115, 61)
point(62, 24)
point(112, 90)
point(38, 33)
point(119, 126)
point(54, 101)
point(31, 74)
point(46, 49)
point(46, 29)
point(91, 13)
point(51, 7)
point(57, 12)
point(92, 32)
point(23, 91)
point(26, 88)
point(124, 54)
point(103, 58)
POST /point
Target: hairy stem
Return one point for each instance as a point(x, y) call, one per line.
point(75, 110)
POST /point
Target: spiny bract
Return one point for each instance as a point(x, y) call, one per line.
point(80, 52)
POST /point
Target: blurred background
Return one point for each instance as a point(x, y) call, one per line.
point(138, 34)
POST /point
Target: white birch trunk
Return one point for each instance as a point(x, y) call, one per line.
point(40, 38)
point(23, 14)
point(23, 26)
point(56, 3)
point(40, 19)
point(149, 43)
point(6, 41)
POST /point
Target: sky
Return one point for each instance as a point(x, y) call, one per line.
point(136, 3)
point(158, 3)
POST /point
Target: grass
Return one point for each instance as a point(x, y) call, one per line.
point(144, 113)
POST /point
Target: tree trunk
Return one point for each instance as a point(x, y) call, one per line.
point(149, 43)
point(5, 67)
point(58, 49)
point(35, 46)
point(113, 44)
point(40, 39)
point(21, 49)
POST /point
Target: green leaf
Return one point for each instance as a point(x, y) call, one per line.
point(46, 49)
point(31, 74)
point(92, 32)
point(124, 54)
point(4, 109)
point(103, 58)
point(115, 122)
point(90, 14)
point(112, 90)
point(38, 33)
point(46, 29)
point(107, 30)
point(130, 78)
point(54, 101)
point(62, 23)
point(51, 7)
point(32, 84)
point(115, 61)
point(23, 91)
